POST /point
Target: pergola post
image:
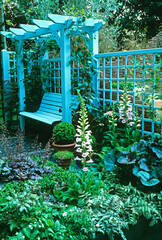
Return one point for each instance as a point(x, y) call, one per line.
point(93, 47)
point(20, 78)
point(65, 77)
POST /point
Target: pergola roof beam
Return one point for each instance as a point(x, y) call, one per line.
point(98, 26)
point(28, 27)
point(60, 18)
point(42, 23)
point(7, 34)
point(89, 22)
point(17, 31)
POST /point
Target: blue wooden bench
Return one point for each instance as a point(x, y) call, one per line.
point(50, 109)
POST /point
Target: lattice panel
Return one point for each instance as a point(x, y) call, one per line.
point(140, 68)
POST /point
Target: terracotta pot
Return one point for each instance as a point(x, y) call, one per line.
point(67, 147)
point(64, 163)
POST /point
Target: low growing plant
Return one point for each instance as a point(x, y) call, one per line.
point(63, 155)
point(24, 215)
point(143, 159)
point(17, 161)
point(118, 207)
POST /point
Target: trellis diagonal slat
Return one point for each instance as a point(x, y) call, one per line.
point(97, 26)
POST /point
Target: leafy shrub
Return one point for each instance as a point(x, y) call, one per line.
point(63, 155)
point(78, 187)
point(79, 223)
point(64, 133)
point(57, 180)
point(122, 85)
point(24, 215)
point(120, 206)
point(144, 160)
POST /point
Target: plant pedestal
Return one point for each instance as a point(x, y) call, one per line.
point(67, 147)
point(64, 163)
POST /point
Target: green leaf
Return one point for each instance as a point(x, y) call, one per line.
point(26, 232)
point(151, 182)
point(157, 151)
point(34, 234)
point(144, 176)
point(109, 160)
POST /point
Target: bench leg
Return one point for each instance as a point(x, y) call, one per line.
point(22, 123)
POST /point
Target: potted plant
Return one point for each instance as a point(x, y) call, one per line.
point(64, 137)
point(64, 158)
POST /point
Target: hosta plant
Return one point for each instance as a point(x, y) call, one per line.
point(144, 160)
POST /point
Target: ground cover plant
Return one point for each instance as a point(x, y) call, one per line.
point(85, 201)
point(34, 209)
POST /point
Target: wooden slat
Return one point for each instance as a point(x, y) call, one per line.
point(49, 108)
point(50, 102)
point(17, 31)
point(29, 27)
point(50, 111)
point(42, 118)
point(42, 23)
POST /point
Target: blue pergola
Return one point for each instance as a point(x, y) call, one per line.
point(59, 27)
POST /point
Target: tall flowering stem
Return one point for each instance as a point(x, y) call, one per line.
point(83, 137)
point(126, 114)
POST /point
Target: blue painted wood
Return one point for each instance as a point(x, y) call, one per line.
point(20, 78)
point(29, 27)
point(65, 77)
point(50, 109)
point(135, 52)
point(42, 23)
point(6, 80)
point(141, 79)
point(7, 34)
point(61, 24)
point(60, 18)
point(17, 31)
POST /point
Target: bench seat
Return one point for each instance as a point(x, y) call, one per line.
point(50, 109)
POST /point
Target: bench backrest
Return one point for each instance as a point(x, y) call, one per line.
point(52, 103)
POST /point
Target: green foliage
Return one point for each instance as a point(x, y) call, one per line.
point(143, 160)
point(82, 54)
point(122, 85)
point(64, 133)
point(35, 209)
point(134, 15)
point(80, 223)
point(20, 11)
point(98, 10)
point(63, 155)
point(120, 206)
point(78, 187)
point(57, 180)
point(25, 214)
